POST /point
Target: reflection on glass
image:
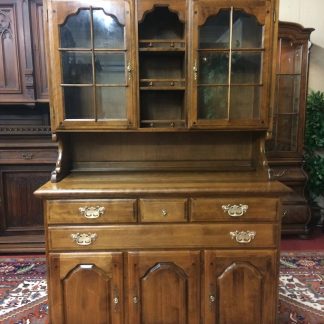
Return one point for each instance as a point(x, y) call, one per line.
point(110, 68)
point(213, 68)
point(215, 33)
point(246, 67)
point(78, 102)
point(77, 67)
point(75, 33)
point(111, 102)
point(245, 102)
point(247, 32)
point(288, 86)
point(291, 58)
point(107, 31)
point(212, 102)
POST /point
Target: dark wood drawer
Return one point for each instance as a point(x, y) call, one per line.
point(91, 211)
point(230, 209)
point(162, 236)
point(28, 156)
point(163, 210)
point(295, 214)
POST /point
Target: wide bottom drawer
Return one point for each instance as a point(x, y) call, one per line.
point(161, 236)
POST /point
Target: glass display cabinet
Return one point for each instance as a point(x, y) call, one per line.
point(285, 149)
point(160, 198)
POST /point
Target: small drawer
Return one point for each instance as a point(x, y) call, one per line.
point(229, 209)
point(295, 214)
point(91, 211)
point(163, 210)
point(162, 236)
point(28, 156)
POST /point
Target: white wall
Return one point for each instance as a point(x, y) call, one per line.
point(309, 13)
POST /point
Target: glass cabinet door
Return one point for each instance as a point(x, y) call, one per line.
point(230, 65)
point(91, 44)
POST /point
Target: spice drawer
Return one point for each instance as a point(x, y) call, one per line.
point(97, 211)
point(233, 209)
point(157, 236)
point(163, 210)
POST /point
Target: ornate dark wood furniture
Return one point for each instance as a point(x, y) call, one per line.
point(285, 150)
point(27, 154)
point(160, 208)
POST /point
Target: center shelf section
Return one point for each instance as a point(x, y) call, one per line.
point(162, 73)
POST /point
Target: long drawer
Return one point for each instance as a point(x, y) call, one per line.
point(161, 236)
point(233, 209)
point(96, 211)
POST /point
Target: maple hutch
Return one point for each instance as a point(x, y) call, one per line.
point(160, 208)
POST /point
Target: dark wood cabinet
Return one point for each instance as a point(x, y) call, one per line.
point(25, 164)
point(285, 149)
point(23, 78)
point(160, 204)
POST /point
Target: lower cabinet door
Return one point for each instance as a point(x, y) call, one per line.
point(240, 286)
point(163, 287)
point(86, 288)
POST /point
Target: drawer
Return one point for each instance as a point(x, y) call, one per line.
point(28, 156)
point(163, 210)
point(233, 209)
point(91, 211)
point(162, 236)
point(295, 214)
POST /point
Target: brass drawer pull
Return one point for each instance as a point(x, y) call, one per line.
point(212, 299)
point(84, 238)
point(164, 212)
point(243, 237)
point(92, 212)
point(116, 300)
point(235, 210)
point(27, 155)
point(135, 300)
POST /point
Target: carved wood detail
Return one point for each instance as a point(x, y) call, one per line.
point(5, 25)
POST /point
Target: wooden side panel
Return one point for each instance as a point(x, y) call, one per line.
point(163, 287)
point(244, 281)
point(86, 288)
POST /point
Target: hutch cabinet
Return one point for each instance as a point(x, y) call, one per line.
point(285, 149)
point(160, 208)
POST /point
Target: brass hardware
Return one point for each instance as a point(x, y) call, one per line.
point(150, 44)
point(172, 124)
point(164, 212)
point(285, 212)
point(84, 238)
point(92, 212)
point(171, 83)
point(243, 237)
point(212, 299)
point(172, 44)
point(151, 84)
point(235, 210)
point(116, 300)
point(129, 70)
point(27, 155)
point(195, 70)
point(135, 300)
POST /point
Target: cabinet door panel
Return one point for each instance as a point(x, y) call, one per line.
point(95, 50)
point(163, 287)
point(22, 212)
point(86, 288)
point(229, 65)
point(16, 63)
point(244, 281)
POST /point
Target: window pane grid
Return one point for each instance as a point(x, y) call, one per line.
point(244, 67)
point(91, 79)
